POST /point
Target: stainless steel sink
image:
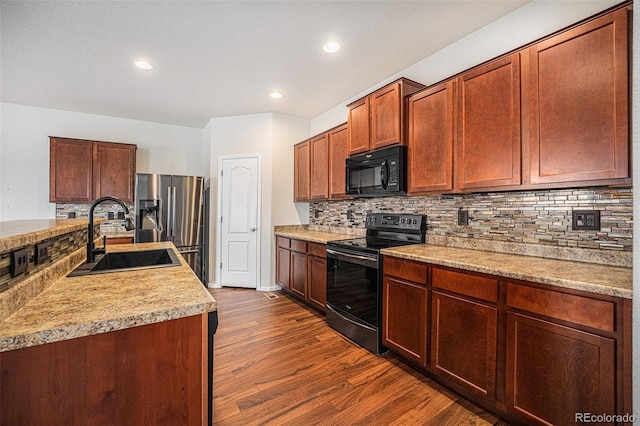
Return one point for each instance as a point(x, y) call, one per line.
point(128, 261)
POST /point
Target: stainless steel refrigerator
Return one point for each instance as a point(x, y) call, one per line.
point(170, 208)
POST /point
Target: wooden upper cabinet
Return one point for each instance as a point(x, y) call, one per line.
point(302, 172)
point(359, 132)
point(579, 103)
point(81, 171)
point(319, 181)
point(338, 153)
point(114, 170)
point(385, 107)
point(70, 170)
point(430, 140)
point(379, 119)
point(489, 141)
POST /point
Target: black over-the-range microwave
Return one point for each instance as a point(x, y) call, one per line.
point(377, 173)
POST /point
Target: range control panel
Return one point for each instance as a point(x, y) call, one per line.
point(396, 221)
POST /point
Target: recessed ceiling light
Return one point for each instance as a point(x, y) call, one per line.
point(276, 95)
point(143, 65)
point(331, 47)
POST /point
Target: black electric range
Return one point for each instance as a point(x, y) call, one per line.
point(354, 278)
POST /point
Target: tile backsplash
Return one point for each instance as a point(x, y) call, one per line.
point(108, 211)
point(535, 217)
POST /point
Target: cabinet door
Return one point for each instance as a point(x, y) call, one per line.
point(464, 342)
point(489, 125)
point(430, 139)
point(579, 107)
point(298, 278)
point(338, 152)
point(301, 172)
point(70, 170)
point(386, 107)
point(317, 279)
point(358, 124)
point(555, 371)
point(319, 148)
point(114, 170)
point(404, 318)
point(282, 267)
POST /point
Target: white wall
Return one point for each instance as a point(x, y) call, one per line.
point(24, 152)
point(526, 24)
point(271, 137)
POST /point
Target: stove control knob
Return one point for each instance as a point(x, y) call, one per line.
point(415, 221)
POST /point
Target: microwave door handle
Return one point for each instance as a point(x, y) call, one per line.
point(384, 175)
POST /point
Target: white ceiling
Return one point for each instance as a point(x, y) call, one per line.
point(218, 58)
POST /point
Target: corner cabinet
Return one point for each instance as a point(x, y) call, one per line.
point(379, 119)
point(579, 103)
point(301, 270)
point(81, 170)
point(531, 353)
point(319, 166)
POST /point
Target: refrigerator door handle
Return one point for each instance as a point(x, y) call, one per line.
point(173, 214)
point(169, 204)
point(188, 251)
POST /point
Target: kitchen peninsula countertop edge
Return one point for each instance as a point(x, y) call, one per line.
point(87, 305)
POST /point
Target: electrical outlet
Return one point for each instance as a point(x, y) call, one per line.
point(586, 220)
point(110, 216)
point(19, 262)
point(42, 252)
point(120, 215)
point(463, 217)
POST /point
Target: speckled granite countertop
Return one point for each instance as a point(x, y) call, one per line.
point(92, 304)
point(594, 278)
point(20, 233)
point(313, 236)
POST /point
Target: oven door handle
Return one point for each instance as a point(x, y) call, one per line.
point(371, 262)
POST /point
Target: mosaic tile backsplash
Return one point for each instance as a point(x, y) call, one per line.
point(536, 217)
point(108, 211)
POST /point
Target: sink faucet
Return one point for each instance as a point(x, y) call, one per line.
point(128, 225)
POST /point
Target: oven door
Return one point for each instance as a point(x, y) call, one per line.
point(353, 287)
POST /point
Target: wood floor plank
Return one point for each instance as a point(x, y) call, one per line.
point(278, 363)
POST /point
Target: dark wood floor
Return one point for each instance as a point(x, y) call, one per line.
point(277, 362)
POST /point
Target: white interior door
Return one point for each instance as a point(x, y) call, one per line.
point(239, 222)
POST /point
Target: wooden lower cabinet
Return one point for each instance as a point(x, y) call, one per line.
point(301, 270)
point(531, 353)
point(317, 280)
point(405, 312)
point(554, 371)
point(152, 374)
point(298, 284)
point(464, 342)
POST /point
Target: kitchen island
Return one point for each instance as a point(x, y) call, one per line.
point(128, 347)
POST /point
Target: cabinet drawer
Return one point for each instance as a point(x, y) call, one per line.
point(407, 269)
point(581, 310)
point(317, 249)
point(283, 242)
point(299, 245)
point(469, 285)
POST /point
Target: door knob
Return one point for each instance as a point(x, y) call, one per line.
point(252, 229)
